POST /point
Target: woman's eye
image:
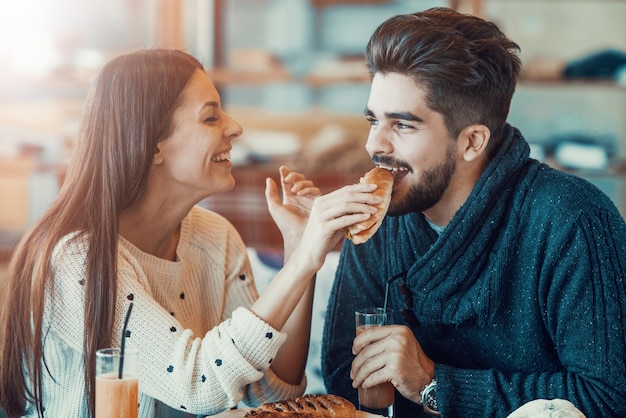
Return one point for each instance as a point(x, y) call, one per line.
point(211, 119)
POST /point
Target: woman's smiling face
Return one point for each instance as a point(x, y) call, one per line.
point(195, 157)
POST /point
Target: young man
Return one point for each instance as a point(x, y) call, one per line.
point(505, 276)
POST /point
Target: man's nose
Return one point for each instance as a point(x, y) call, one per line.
point(378, 141)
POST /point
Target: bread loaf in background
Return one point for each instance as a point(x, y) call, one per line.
point(307, 406)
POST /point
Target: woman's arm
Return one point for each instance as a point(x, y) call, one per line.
point(306, 246)
point(298, 195)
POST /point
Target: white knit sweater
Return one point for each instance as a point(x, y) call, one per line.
point(201, 350)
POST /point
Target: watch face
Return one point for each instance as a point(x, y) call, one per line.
point(429, 400)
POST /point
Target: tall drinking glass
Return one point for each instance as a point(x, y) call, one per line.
point(378, 399)
point(117, 388)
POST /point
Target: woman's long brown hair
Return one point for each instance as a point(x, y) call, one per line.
point(129, 110)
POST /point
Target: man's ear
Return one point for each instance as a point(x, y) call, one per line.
point(475, 141)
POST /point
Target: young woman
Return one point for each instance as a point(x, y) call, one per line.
point(125, 228)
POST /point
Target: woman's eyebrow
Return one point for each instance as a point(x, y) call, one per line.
point(210, 103)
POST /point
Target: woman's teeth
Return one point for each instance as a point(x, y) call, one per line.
point(223, 156)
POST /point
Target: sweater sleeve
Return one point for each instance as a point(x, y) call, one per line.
point(581, 293)
point(240, 291)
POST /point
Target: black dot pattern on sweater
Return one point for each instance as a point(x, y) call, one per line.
point(183, 407)
point(170, 369)
point(127, 333)
point(173, 329)
point(182, 295)
point(218, 362)
point(203, 378)
point(242, 277)
point(81, 282)
point(130, 297)
point(271, 360)
point(269, 335)
point(172, 313)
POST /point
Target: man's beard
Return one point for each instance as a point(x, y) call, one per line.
point(428, 192)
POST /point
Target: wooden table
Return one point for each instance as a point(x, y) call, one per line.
point(239, 413)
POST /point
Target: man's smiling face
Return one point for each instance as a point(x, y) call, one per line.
point(411, 139)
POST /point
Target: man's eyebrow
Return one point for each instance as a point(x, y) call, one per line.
point(404, 116)
point(396, 115)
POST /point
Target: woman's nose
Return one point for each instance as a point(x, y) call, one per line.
point(233, 129)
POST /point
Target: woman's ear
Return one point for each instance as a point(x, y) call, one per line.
point(476, 141)
point(157, 159)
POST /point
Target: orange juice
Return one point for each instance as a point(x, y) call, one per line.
point(379, 396)
point(116, 398)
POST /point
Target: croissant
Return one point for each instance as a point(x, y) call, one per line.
point(362, 231)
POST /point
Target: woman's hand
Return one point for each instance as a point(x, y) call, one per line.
point(292, 213)
point(314, 222)
point(330, 215)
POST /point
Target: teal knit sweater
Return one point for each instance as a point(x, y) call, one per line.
point(521, 297)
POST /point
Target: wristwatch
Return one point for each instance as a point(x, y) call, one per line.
point(428, 399)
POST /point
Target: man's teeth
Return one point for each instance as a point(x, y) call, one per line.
point(393, 168)
point(223, 156)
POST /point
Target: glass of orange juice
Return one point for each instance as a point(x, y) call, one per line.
point(378, 399)
point(117, 383)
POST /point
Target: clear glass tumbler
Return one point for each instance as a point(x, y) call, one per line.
point(117, 383)
point(380, 398)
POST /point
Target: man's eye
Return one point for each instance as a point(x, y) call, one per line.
point(401, 125)
point(372, 121)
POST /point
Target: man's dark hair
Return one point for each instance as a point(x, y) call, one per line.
point(468, 67)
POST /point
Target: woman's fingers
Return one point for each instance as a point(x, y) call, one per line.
point(271, 192)
point(306, 188)
point(344, 207)
point(356, 193)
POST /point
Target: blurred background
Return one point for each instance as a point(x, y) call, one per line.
point(292, 73)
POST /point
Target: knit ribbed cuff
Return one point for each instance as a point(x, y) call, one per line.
point(458, 391)
point(256, 340)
